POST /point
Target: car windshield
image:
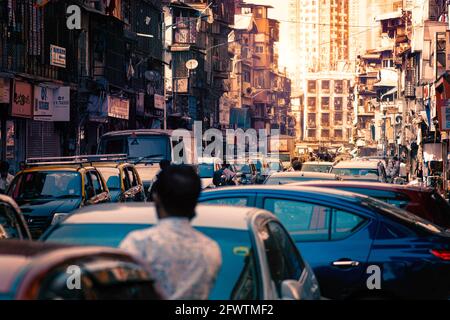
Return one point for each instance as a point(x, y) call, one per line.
point(145, 148)
point(235, 247)
point(354, 172)
point(243, 168)
point(112, 177)
point(316, 168)
point(274, 166)
point(43, 185)
point(206, 170)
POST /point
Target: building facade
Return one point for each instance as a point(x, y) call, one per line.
point(327, 109)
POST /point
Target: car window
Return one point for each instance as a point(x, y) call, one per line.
point(344, 224)
point(120, 280)
point(9, 226)
point(131, 177)
point(126, 180)
point(112, 177)
point(246, 287)
point(88, 187)
point(282, 256)
point(54, 285)
point(96, 183)
point(304, 221)
point(236, 202)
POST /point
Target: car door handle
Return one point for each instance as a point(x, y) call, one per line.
point(345, 263)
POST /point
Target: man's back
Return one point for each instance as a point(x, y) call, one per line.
point(183, 261)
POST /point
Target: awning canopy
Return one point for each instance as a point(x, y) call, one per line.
point(389, 16)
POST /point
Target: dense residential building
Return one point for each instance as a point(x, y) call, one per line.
point(259, 95)
point(196, 31)
point(327, 109)
point(131, 64)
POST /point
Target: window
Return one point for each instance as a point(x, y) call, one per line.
point(312, 103)
point(312, 134)
point(338, 119)
point(96, 183)
point(325, 103)
point(325, 133)
point(131, 177)
point(338, 103)
point(246, 287)
point(339, 86)
point(304, 221)
point(247, 77)
point(88, 187)
point(311, 120)
point(344, 224)
point(312, 86)
point(338, 133)
point(326, 86)
point(283, 258)
point(236, 202)
point(259, 48)
point(325, 119)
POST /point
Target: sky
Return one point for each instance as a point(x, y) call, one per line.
point(279, 12)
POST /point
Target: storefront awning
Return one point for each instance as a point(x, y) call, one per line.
point(389, 16)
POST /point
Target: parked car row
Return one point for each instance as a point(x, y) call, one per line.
point(48, 190)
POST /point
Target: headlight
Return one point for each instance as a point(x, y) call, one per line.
point(59, 217)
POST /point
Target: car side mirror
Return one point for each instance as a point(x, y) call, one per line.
point(290, 290)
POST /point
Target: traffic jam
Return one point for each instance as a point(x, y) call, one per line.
point(131, 222)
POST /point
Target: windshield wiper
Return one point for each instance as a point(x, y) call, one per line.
point(150, 157)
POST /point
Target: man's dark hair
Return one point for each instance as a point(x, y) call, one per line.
point(164, 164)
point(297, 166)
point(178, 188)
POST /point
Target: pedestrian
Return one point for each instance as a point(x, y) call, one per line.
point(5, 177)
point(183, 261)
point(218, 176)
point(229, 174)
point(297, 166)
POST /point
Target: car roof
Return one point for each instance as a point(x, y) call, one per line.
point(309, 191)
point(362, 185)
point(319, 163)
point(223, 217)
point(140, 132)
point(38, 168)
point(305, 174)
point(357, 164)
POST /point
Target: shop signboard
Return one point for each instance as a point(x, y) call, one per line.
point(57, 56)
point(61, 104)
point(118, 107)
point(160, 102)
point(22, 104)
point(5, 90)
point(43, 103)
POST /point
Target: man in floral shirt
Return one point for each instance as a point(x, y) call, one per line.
point(183, 261)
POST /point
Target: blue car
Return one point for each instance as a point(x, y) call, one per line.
point(350, 239)
point(259, 259)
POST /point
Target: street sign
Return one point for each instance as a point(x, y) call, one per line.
point(57, 56)
point(192, 64)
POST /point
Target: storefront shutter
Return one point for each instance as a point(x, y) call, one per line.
point(43, 140)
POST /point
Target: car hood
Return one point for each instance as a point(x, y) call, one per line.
point(44, 207)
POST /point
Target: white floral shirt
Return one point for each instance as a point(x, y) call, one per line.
point(183, 261)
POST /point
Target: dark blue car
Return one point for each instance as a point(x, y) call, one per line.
point(349, 240)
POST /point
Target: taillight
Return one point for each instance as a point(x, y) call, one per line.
point(442, 254)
